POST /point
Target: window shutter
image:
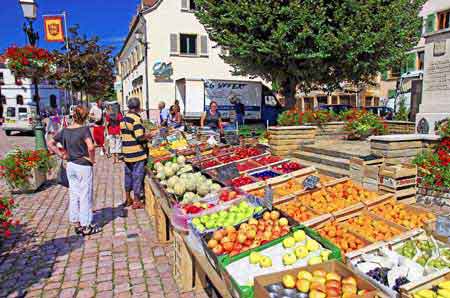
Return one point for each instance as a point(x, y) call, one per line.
point(204, 45)
point(184, 5)
point(430, 23)
point(174, 43)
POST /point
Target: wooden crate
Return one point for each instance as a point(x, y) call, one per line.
point(186, 272)
point(399, 171)
point(164, 231)
point(149, 200)
point(408, 290)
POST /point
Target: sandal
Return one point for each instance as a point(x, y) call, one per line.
point(90, 230)
point(127, 203)
point(137, 205)
point(79, 230)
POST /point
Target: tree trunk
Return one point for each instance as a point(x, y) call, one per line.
point(289, 90)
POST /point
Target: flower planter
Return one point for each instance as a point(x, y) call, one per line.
point(283, 140)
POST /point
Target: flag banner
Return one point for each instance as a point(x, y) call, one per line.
point(54, 28)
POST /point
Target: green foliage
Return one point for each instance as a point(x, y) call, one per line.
point(294, 117)
point(91, 65)
point(403, 112)
point(315, 44)
point(360, 124)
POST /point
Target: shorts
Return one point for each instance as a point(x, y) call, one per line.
point(115, 144)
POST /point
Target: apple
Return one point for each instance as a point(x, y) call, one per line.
point(276, 228)
point(269, 223)
point(283, 221)
point(312, 245)
point(244, 227)
point(212, 243)
point(301, 252)
point(319, 279)
point(267, 235)
point(244, 248)
point(251, 234)
point(319, 272)
point(299, 235)
point(318, 287)
point(333, 276)
point(349, 280)
point(303, 285)
point(274, 215)
point(333, 292)
point(362, 292)
point(349, 288)
point(225, 240)
point(232, 195)
point(232, 236)
point(237, 246)
point(316, 294)
point(253, 221)
point(333, 284)
point(289, 259)
point(314, 260)
point(288, 242)
point(241, 237)
point(228, 246)
point(254, 257)
point(266, 215)
point(234, 253)
point(261, 227)
point(288, 281)
point(304, 275)
point(265, 262)
point(275, 235)
point(217, 249)
point(218, 235)
point(325, 254)
point(248, 242)
point(230, 229)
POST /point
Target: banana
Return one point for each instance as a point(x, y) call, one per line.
point(444, 292)
point(426, 294)
point(444, 285)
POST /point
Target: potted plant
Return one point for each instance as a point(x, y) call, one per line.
point(25, 170)
point(360, 124)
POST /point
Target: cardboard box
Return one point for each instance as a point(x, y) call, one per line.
point(333, 266)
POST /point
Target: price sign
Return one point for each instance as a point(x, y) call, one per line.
point(311, 182)
point(227, 172)
point(267, 201)
point(443, 226)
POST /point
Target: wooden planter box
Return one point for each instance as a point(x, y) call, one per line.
point(283, 140)
point(38, 177)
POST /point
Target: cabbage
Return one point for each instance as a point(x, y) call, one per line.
point(170, 190)
point(203, 190)
point(179, 188)
point(172, 181)
point(209, 182)
point(181, 160)
point(161, 175)
point(190, 185)
point(175, 167)
point(158, 166)
point(188, 197)
point(215, 187)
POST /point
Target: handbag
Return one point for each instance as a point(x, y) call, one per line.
point(62, 179)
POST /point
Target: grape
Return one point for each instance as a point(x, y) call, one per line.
point(399, 282)
point(379, 274)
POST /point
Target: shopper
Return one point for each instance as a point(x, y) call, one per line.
point(96, 116)
point(212, 118)
point(79, 151)
point(163, 113)
point(174, 117)
point(134, 148)
point(113, 119)
point(177, 105)
point(239, 109)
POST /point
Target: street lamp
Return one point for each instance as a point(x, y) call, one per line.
point(29, 8)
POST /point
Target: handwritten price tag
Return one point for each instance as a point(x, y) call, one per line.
point(311, 182)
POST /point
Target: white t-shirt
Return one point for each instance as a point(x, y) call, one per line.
point(97, 112)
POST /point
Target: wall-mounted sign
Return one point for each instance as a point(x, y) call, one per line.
point(423, 126)
point(162, 71)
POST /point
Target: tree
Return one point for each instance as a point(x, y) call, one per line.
point(91, 65)
point(312, 44)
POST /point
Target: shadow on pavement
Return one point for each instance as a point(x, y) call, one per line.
point(27, 265)
point(108, 214)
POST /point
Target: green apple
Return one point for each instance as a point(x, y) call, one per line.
point(312, 245)
point(204, 219)
point(210, 225)
point(200, 227)
point(288, 242)
point(289, 259)
point(301, 252)
point(299, 236)
point(196, 221)
point(265, 262)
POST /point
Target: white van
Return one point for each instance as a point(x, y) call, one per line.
point(19, 118)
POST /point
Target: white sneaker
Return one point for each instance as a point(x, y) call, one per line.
point(101, 153)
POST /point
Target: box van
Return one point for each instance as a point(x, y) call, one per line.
point(19, 118)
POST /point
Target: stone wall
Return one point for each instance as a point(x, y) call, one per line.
point(284, 140)
point(336, 128)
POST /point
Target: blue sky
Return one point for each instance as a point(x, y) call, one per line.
point(108, 19)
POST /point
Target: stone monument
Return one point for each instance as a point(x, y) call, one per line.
point(435, 104)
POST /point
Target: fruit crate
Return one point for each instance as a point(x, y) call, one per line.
point(262, 282)
point(408, 208)
point(247, 291)
point(397, 228)
point(399, 171)
point(427, 283)
point(380, 200)
point(216, 259)
point(185, 271)
point(164, 231)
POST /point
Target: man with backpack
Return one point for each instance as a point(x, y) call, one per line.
point(113, 118)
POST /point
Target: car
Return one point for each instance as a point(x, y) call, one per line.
point(336, 108)
point(19, 118)
point(384, 112)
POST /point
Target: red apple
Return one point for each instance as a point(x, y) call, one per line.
point(267, 235)
point(217, 249)
point(251, 234)
point(244, 227)
point(245, 248)
point(261, 227)
point(218, 235)
point(266, 215)
point(232, 236)
point(274, 215)
point(237, 246)
point(234, 253)
point(269, 223)
point(225, 240)
point(228, 246)
point(230, 229)
point(248, 242)
point(241, 238)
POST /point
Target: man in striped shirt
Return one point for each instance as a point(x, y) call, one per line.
point(134, 149)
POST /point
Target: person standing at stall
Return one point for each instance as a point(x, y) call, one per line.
point(212, 118)
point(163, 113)
point(134, 148)
point(96, 116)
point(113, 119)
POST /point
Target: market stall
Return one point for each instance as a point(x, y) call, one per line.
point(251, 224)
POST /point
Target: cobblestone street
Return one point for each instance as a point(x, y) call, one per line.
point(45, 258)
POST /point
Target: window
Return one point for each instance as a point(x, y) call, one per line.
point(11, 112)
point(334, 100)
point(188, 5)
point(443, 20)
point(353, 100)
point(345, 99)
point(376, 101)
point(368, 101)
point(420, 60)
point(322, 100)
point(19, 99)
point(2, 80)
point(188, 44)
point(53, 103)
